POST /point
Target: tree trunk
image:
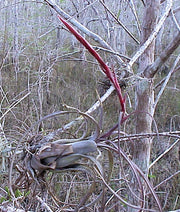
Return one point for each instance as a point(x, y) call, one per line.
point(144, 96)
point(144, 89)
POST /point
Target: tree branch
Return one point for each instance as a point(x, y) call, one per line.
point(166, 81)
point(51, 135)
point(175, 20)
point(82, 28)
point(152, 69)
point(164, 153)
point(153, 34)
point(120, 23)
point(162, 81)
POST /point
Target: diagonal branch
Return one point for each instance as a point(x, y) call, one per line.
point(71, 124)
point(135, 15)
point(175, 20)
point(164, 153)
point(120, 23)
point(82, 28)
point(166, 81)
point(153, 34)
point(173, 45)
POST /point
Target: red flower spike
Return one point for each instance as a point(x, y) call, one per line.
point(112, 77)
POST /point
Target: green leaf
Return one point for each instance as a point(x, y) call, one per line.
point(18, 193)
point(2, 199)
point(6, 189)
point(151, 175)
point(27, 193)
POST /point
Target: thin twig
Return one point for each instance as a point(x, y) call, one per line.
point(82, 28)
point(112, 52)
point(166, 81)
point(175, 20)
point(120, 23)
point(176, 173)
point(162, 81)
point(14, 104)
point(135, 15)
point(174, 134)
point(164, 153)
point(44, 205)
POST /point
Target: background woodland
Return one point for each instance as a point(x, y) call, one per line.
point(44, 69)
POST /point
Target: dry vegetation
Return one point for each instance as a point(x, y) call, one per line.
point(43, 68)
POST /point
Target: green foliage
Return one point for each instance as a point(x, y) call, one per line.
point(2, 199)
point(151, 176)
point(18, 193)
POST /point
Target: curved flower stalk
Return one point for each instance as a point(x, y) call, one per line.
point(111, 75)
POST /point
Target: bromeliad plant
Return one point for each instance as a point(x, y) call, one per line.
point(58, 156)
point(111, 75)
point(62, 155)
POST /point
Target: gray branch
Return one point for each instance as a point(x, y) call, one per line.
point(82, 28)
point(173, 45)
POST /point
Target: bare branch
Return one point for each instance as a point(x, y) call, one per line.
point(166, 81)
point(174, 134)
point(115, 53)
point(120, 23)
point(153, 34)
point(162, 81)
point(51, 135)
point(152, 70)
point(82, 28)
point(14, 104)
point(135, 15)
point(176, 10)
point(175, 20)
point(164, 181)
point(43, 203)
point(165, 152)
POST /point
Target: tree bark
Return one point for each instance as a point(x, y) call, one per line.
point(144, 97)
point(144, 89)
point(173, 45)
